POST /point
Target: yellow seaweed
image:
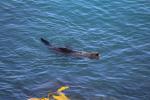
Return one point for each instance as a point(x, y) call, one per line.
point(60, 95)
point(62, 88)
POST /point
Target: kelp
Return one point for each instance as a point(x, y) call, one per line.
point(58, 95)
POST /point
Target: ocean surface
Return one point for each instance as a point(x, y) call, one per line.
point(118, 29)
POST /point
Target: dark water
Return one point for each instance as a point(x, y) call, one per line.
point(118, 29)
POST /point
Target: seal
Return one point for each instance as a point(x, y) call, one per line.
point(64, 50)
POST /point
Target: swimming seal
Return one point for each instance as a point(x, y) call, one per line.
point(64, 50)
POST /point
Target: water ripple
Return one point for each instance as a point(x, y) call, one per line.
point(119, 30)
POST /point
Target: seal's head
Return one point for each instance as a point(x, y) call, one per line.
point(94, 55)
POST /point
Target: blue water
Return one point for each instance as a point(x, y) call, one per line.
point(118, 29)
